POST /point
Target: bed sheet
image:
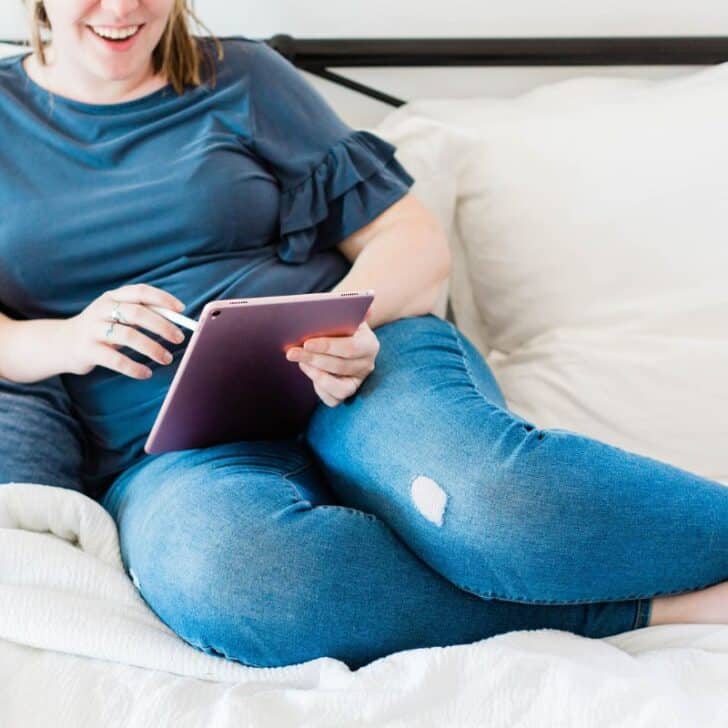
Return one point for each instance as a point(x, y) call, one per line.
point(79, 646)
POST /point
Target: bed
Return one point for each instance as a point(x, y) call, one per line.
point(587, 222)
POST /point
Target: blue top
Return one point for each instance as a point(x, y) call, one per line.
point(239, 190)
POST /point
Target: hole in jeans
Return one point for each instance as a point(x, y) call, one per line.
point(429, 498)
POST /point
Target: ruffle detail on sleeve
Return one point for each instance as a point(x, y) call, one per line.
point(310, 208)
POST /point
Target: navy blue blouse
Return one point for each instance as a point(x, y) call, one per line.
point(241, 189)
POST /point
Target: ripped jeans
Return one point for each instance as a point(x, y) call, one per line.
point(419, 512)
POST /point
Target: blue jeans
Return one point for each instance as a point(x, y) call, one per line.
point(41, 441)
point(419, 512)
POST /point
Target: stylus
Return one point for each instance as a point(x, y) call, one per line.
point(175, 317)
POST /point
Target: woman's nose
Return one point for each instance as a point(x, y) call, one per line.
point(120, 8)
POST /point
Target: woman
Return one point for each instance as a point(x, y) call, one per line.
point(415, 509)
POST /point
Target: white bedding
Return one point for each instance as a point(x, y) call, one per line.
point(79, 647)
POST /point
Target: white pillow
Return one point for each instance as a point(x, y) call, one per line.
point(432, 138)
point(8, 49)
point(594, 216)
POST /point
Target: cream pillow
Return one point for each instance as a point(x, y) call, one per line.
point(593, 214)
point(432, 138)
point(9, 49)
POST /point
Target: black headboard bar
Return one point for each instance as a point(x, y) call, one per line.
point(359, 87)
point(316, 55)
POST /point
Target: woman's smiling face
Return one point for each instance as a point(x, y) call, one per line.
point(78, 24)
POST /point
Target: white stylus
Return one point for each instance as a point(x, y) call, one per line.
point(175, 317)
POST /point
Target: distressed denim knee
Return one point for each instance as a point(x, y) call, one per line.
point(500, 507)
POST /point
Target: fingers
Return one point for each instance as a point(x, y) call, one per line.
point(331, 389)
point(110, 358)
point(334, 364)
point(130, 303)
point(337, 365)
point(143, 293)
point(133, 339)
point(363, 342)
point(344, 355)
point(139, 315)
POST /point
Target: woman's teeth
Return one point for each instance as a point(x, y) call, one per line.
point(115, 33)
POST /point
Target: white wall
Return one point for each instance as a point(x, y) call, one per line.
point(449, 18)
point(467, 18)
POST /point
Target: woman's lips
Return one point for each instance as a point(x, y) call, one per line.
point(117, 45)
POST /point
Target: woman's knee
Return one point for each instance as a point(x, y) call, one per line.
point(252, 580)
point(457, 493)
point(429, 339)
point(429, 384)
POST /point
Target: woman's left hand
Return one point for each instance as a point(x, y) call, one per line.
point(337, 365)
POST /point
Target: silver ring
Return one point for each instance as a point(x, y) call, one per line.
point(110, 330)
point(116, 315)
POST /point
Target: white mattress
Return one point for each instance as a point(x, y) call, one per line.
point(79, 647)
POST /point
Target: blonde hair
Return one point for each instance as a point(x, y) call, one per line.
point(178, 55)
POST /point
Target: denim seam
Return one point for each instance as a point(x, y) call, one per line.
point(364, 514)
point(205, 647)
point(639, 613)
point(524, 600)
point(299, 498)
point(291, 484)
point(649, 601)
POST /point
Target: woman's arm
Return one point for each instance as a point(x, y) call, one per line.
point(34, 350)
point(404, 255)
point(30, 350)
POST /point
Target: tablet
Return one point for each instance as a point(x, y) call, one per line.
point(234, 381)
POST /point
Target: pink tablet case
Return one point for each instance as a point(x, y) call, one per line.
point(234, 381)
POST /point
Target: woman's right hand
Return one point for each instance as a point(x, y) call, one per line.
point(89, 344)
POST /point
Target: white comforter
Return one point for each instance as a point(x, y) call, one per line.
point(79, 647)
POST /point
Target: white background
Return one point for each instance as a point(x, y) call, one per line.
point(453, 18)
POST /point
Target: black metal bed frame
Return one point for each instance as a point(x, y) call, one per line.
point(316, 55)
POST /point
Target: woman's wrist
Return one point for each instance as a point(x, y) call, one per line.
point(33, 350)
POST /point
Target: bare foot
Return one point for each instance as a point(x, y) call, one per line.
point(705, 606)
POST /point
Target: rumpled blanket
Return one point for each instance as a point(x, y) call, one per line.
point(79, 646)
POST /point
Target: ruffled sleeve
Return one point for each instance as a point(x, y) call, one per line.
point(334, 180)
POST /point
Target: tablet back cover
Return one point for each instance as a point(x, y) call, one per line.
point(234, 381)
